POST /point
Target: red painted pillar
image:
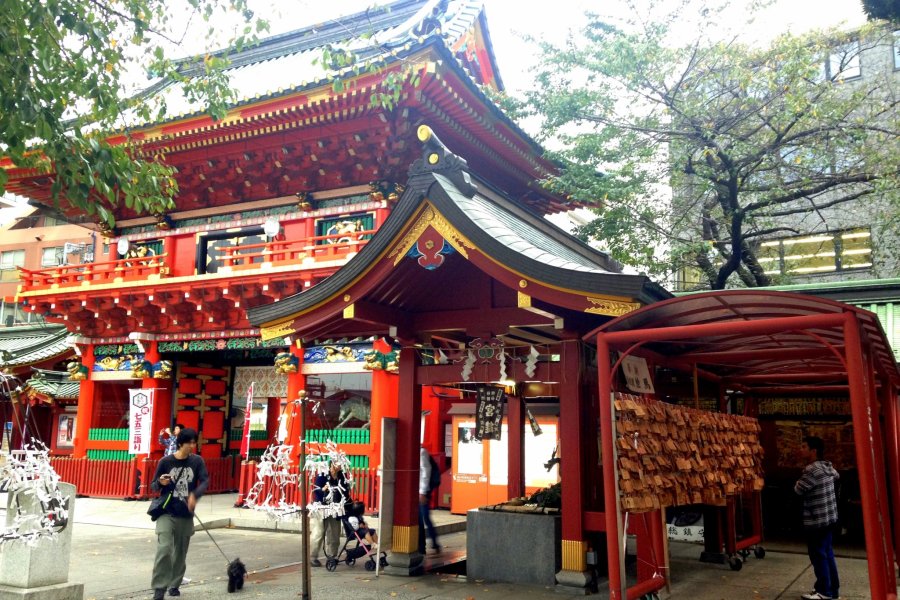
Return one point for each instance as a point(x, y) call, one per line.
point(861, 427)
point(515, 483)
point(296, 382)
point(384, 402)
point(571, 442)
point(405, 547)
point(614, 554)
point(85, 415)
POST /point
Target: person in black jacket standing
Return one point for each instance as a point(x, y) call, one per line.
point(184, 475)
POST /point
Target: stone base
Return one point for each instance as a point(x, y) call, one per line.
point(60, 591)
point(530, 547)
point(405, 565)
point(573, 582)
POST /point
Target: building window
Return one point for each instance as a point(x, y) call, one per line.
point(53, 221)
point(9, 261)
point(843, 62)
point(897, 49)
point(52, 257)
point(818, 253)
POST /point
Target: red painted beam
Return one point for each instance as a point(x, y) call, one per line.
point(755, 327)
point(739, 356)
point(787, 377)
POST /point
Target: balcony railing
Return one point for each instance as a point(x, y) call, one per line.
point(320, 248)
point(125, 269)
point(313, 250)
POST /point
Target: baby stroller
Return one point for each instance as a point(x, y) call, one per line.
point(355, 546)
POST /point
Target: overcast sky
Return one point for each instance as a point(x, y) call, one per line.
point(508, 19)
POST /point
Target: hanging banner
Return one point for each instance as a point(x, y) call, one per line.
point(488, 412)
point(245, 437)
point(140, 421)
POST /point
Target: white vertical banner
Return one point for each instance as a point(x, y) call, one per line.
point(140, 421)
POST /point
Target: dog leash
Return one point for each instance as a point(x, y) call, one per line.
point(227, 560)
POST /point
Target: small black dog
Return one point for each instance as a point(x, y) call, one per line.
point(236, 573)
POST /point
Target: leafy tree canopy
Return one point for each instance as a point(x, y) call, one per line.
point(693, 148)
point(882, 9)
point(65, 67)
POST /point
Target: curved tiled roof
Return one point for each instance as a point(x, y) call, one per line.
point(53, 384)
point(29, 345)
point(290, 62)
point(511, 236)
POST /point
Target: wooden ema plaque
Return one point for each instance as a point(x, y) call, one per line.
point(671, 455)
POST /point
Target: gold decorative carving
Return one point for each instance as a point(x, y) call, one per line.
point(523, 283)
point(523, 300)
point(281, 329)
point(613, 308)
point(574, 555)
point(349, 311)
point(430, 217)
point(346, 297)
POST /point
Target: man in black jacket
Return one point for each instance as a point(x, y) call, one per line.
point(184, 475)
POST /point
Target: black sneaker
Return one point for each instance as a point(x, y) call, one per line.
point(174, 592)
point(315, 563)
point(159, 594)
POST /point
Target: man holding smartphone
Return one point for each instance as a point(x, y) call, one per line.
point(184, 475)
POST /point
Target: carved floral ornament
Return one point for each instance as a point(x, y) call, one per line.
point(429, 217)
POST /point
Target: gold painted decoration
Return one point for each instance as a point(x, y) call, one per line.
point(141, 369)
point(523, 300)
point(574, 555)
point(163, 369)
point(77, 371)
point(429, 217)
point(405, 539)
point(378, 361)
point(613, 308)
point(286, 363)
point(282, 329)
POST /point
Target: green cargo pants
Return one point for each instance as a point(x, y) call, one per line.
point(173, 535)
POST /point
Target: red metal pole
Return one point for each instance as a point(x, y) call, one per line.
point(615, 556)
point(892, 447)
point(880, 481)
point(861, 426)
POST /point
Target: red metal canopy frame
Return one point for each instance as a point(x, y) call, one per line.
point(760, 341)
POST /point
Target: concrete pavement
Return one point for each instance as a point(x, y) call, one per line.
point(114, 543)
